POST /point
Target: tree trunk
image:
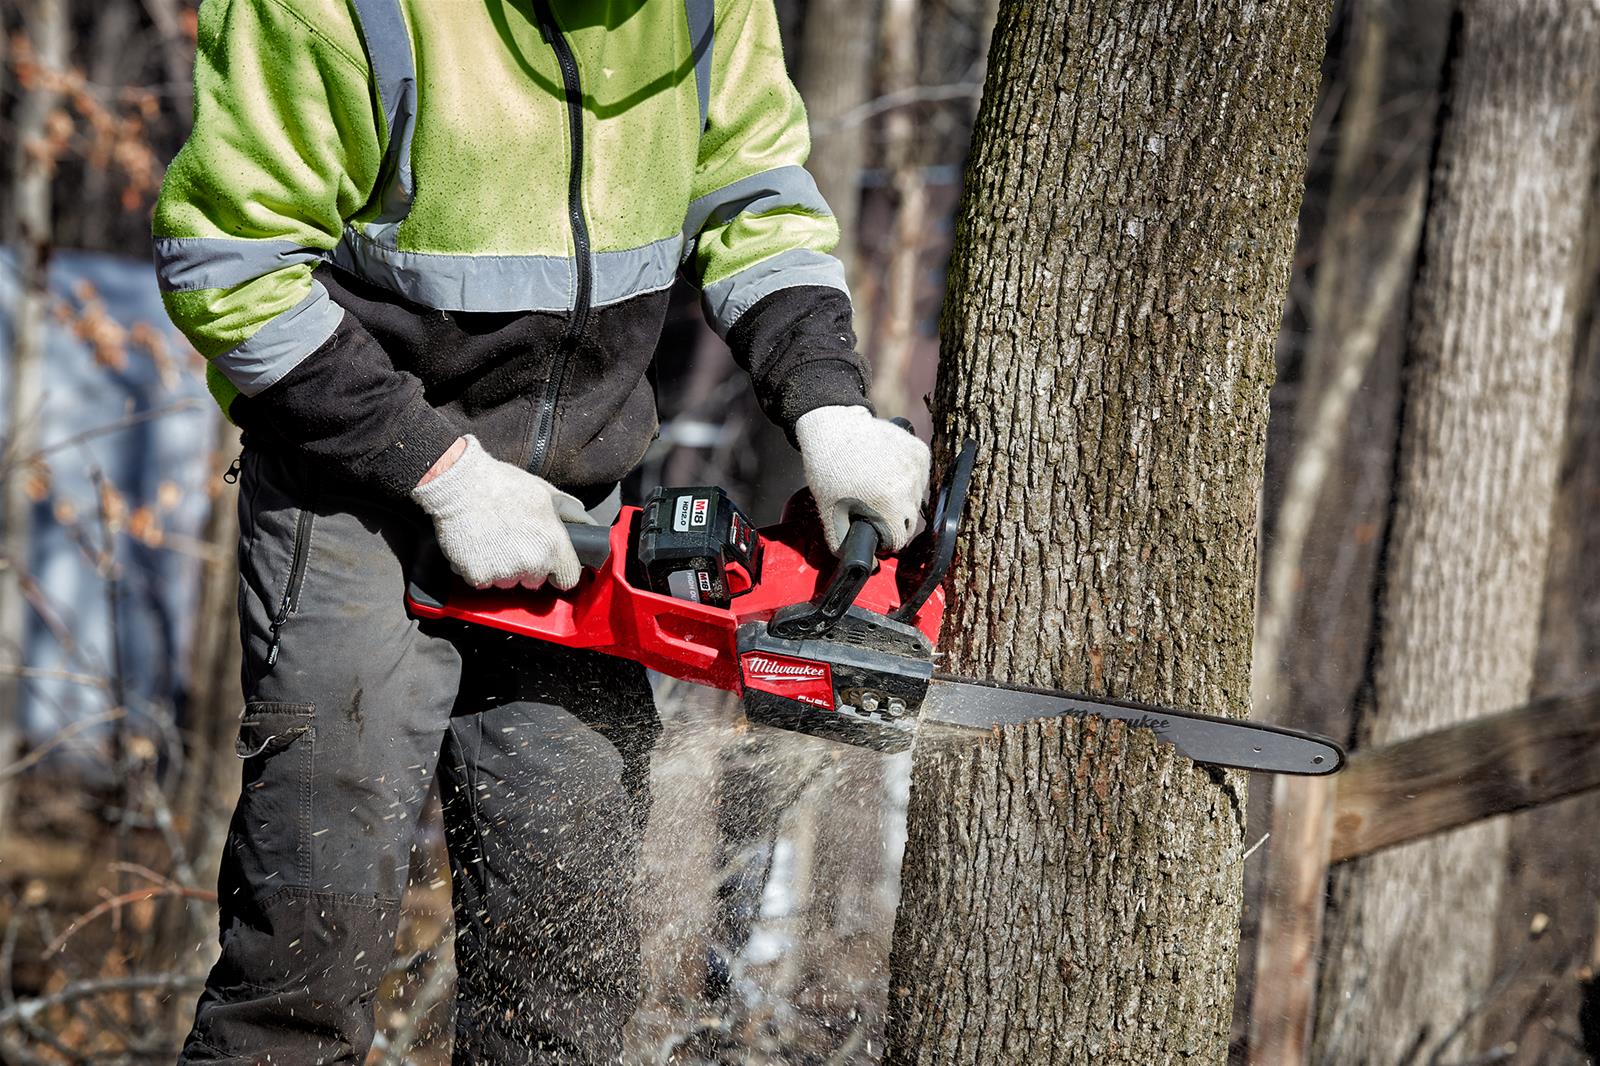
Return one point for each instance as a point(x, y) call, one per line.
point(834, 78)
point(1071, 890)
point(1554, 853)
point(1365, 256)
point(211, 773)
point(97, 205)
point(1489, 357)
point(897, 332)
point(177, 54)
point(33, 166)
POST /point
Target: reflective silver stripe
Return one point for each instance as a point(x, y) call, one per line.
point(635, 271)
point(448, 282)
point(394, 72)
point(771, 190)
point(186, 264)
point(702, 16)
point(280, 345)
point(731, 297)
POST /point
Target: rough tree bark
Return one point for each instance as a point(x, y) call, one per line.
point(1071, 891)
point(33, 165)
point(1489, 356)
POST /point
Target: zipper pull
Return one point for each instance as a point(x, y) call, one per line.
point(277, 637)
point(231, 475)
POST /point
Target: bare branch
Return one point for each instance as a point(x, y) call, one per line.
point(908, 97)
point(28, 1009)
point(63, 735)
point(115, 904)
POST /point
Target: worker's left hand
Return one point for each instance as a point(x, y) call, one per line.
point(863, 467)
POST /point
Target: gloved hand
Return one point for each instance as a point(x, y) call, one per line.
point(863, 467)
point(500, 525)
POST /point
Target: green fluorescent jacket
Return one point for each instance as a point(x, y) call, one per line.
point(394, 218)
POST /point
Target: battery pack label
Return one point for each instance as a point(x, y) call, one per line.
point(681, 585)
point(691, 512)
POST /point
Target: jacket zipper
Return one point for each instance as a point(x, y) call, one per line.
point(297, 577)
point(545, 421)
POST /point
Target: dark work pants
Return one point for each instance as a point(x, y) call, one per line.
point(351, 708)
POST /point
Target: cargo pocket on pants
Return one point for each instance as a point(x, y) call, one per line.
point(272, 833)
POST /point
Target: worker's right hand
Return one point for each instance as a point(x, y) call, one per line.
point(500, 525)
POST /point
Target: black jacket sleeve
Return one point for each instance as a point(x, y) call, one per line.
point(799, 347)
point(346, 405)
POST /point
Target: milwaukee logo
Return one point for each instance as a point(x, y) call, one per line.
point(761, 668)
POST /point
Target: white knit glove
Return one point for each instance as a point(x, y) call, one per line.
point(500, 525)
point(863, 467)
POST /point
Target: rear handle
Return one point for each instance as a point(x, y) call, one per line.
point(430, 577)
point(592, 543)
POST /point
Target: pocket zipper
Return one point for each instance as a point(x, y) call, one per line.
point(291, 591)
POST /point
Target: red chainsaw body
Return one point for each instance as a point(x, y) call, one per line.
point(608, 613)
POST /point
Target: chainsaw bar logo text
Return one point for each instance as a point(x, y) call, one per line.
point(762, 668)
point(795, 679)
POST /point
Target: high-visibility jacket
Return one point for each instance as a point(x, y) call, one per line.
point(399, 220)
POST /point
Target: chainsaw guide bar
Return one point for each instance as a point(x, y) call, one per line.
point(1204, 738)
point(836, 648)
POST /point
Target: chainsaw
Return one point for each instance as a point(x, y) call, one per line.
point(840, 648)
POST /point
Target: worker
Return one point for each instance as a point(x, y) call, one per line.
point(426, 247)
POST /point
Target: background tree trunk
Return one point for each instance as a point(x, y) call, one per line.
point(897, 309)
point(1070, 892)
point(1365, 255)
point(33, 165)
point(1361, 241)
point(205, 791)
point(177, 53)
point(834, 75)
point(106, 42)
point(834, 78)
point(1555, 853)
point(1490, 348)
